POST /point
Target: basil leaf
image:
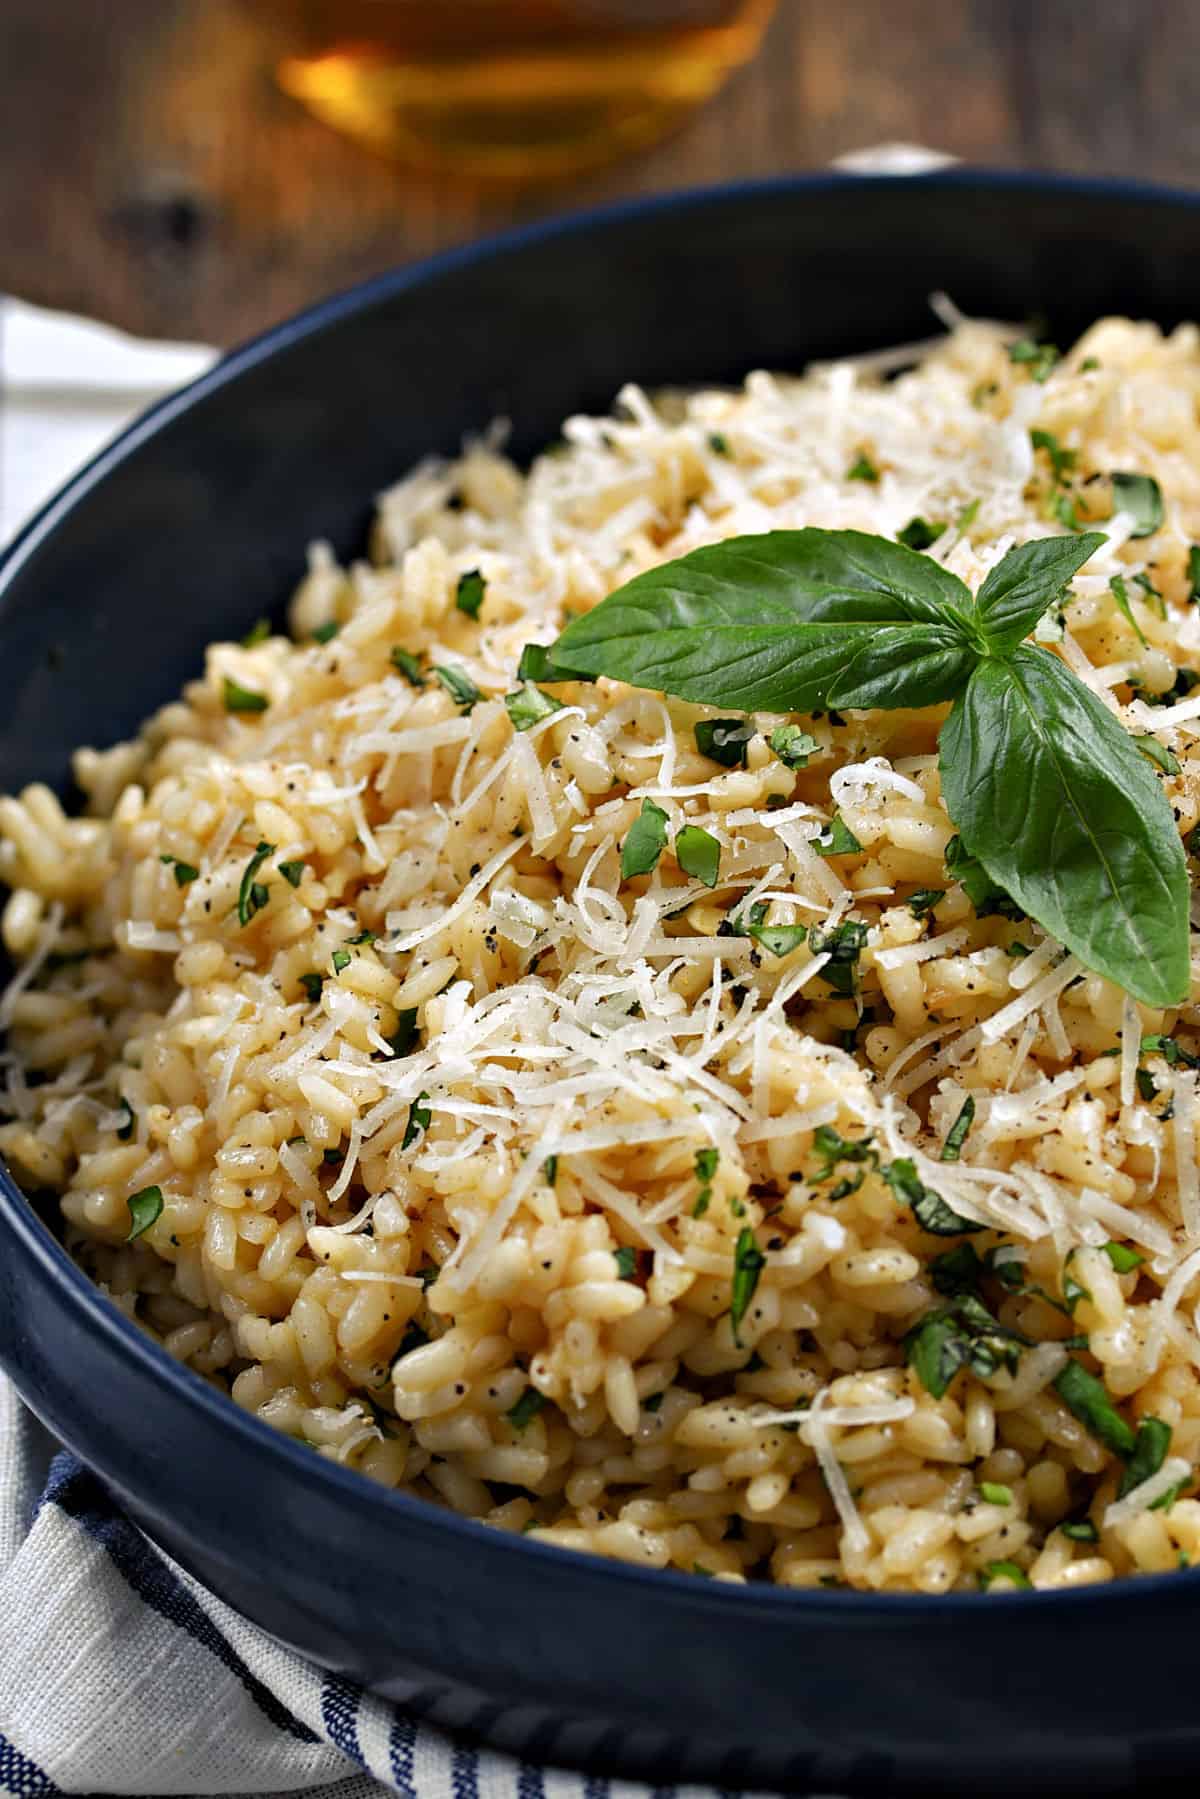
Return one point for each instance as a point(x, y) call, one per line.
point(184, 873)
point(242, 699)
point(252, 896)
point(843, 944)
point(626, 1260)
point(1141, 497)
point(922, 903)
point(957, 1270)
point(748, 1263)
point(1120, 594)
point(550, 1170)
point(459, 686)
point(536, 664)
point(1060, 460)
point(994, 1493)
point(905, 665)
point(1039, 358)
point(529, 705)
point(772, 621)
point(144, 1208)
point(468, 595)
point(1059, 805)
point(312, 985)
point(405, 1035)
point(698, 854)
point(707, 1162)
point(1158, 752)
point(928, 1208)
point(793, 746)
point(1149, 1454)
point(129, 1119)
point(1088, 1398)
point(327, 632)
point(956, 1136)
point(1026, 583)
point(724, 740)
point(258, 633)
point(341, 960)
point(988, 899)
point(862, 470)
point(936, 1349)
point(645, 843)
point(1081, 1530)
point(1193, 571)
point(293, 872)
point(1123, 1259)
point(918, 534)
point(718, 443)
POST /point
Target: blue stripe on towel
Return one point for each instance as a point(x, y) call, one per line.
point(530, 1784)
point(402, 1744)
point(80, 1496)
point(339, 1714)
point(464, 1774)
point(21, 1776)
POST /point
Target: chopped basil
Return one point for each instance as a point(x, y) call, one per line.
point(928, 1208)
point(703, 1201)
point(1072, 1290)
point(1123, 1259)
point(1193, 570)
point(459, 686)
point(793, 746)
point(537, 664)
point(128, 1120)
point(707, 1162)
point(184, 873)
point(918, 534)
point(698, 854)
point(718, 443)
point(957, 1270)
point(832, 1149)
point(362, 937)
point(843, 945)
point(645, 842)
point(724, 740)
point(1147, 1091)
point(293, 872)
point(327, 632)
point(779, 939)
point(960, 1334)
point(414, 1338)
point(526, 1408)
point(1149, 1453)
point(1120, 594)
point(748, 1264)
point(969, 514)
point(409, 665)
point(1141, 497)
point(1039, 359)
point(1080, 1530)
point(994, 1493)
point(258, 633)
point(419, 1115)
point(862, 470)
point(468, 595)
point(144, 1208)
point(626, 1260)
point(922, 903)
point(1009, 1571)
point(312, 985)
point(1088, 1399)
point(1157, 752)
point(550, 1170)
point(528, 706)
point(405, 1035)
point(956, 1136)
point(837, 839)
point(341, 960)
point(1061, 460)
point(242, 699)
point(1154, 599)
point(654, 1403)
point(252, 894)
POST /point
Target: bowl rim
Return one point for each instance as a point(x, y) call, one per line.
point(142, 1355)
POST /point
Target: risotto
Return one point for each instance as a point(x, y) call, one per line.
point(581, 1190)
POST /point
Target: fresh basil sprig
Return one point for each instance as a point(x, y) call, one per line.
point(1049, 794)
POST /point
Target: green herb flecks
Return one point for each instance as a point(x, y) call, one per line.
point(994, 1493)
point(862, 470)
point(253, 895)
point(1157, 752)
point(468, 595)
point(184, 873)
point(327, 632)
point(408, 664)
point(627, 1262)
point(1150, 1450)
point(724, 740)
point(778, 939)
point(928, 1208)
point(528, 706)
point(645, 842)
point(258, 633)
point(956, 1136)
point(1039, 359)
point(1123, 1259)
point(706, 1161)
point(403, 1039)
point(1004, 1571)
point(128, 1120)
point(748, 1264)
point(698, 854)
point(793, 746)
point(459, 686)
point(837, 839)
point(1088, 1398)
point(419, 1115)
point(312, 985)
point(922, 903)
point(1140, 497)
point(144, 1208)
point(832, 1150)
point(521, 1415)
point(1120, 594)
point(919, 534)
point(960, 1334)
point(1061, 461)
point(237, 698)
point(988, 900)
point(293, 872)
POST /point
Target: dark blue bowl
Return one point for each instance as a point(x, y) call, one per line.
point(193, 524)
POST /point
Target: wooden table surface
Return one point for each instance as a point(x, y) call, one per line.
point(152, 175)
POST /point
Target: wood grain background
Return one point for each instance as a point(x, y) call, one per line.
point(151, 174)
